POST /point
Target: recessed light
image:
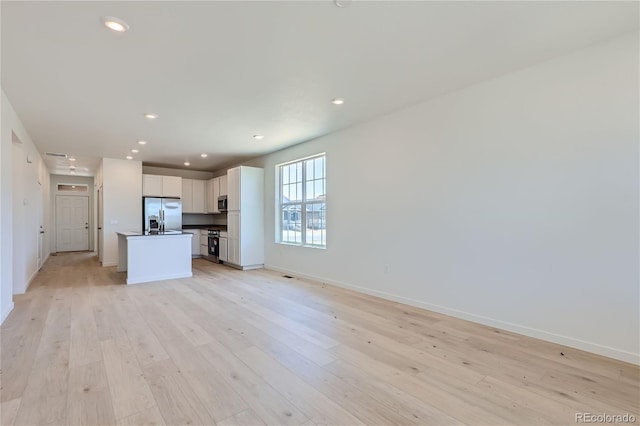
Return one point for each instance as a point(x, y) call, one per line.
point(73, 186)
point(115, 24)
point(258, 137)
point(72, 159)
point(142, 142)
point(135, 151)
point(128, 157)
point(186, 163)
point(72, 167)
point(203, 155)
point(150, 116)
point(337, 101)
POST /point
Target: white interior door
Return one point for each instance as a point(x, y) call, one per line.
point(72, 223)
point(40, 226)
point(100, 224)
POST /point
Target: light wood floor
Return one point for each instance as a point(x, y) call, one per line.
point(231, 347)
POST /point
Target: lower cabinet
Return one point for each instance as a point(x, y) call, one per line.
point(224, 247)
point(195, 241)
point(204, 242)
point(233, 235)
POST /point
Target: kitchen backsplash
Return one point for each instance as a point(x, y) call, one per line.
point(204, 219)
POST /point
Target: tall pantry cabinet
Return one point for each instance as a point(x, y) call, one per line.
point(245, 217)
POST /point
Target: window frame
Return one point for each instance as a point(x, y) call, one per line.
point(72, 188)
point(281, 205)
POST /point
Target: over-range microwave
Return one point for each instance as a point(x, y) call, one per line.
point(222, 203)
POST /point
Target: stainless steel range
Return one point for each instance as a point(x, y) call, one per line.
point(213, 248)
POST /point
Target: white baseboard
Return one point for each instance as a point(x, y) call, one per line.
point(28, 283)
point(105, 264)
point(6, 314)
point(520, 329)
point(158, 278)
point(33, 276)
point(45, 259)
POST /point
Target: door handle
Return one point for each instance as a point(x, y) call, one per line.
point(42, 232)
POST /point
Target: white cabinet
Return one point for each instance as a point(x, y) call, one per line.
point(233, 187)
point(204, 242)
point(216, 194)
point(193, 196)
point(161, 186)
point(224, 246)
point(187, 196)
point(195, 241)
point(245, 219)
point(212, 200)
point(198, 196)
point(171, 186)
point(152, 185)
point(214, 188)
point(223, 185)
point(233, 237)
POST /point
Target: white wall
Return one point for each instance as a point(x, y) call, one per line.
point(122, 185)
point(6, 302)
point(512, 203)
point(80, 180)
point(6, 214)
point(187, 174)
point(25, 206)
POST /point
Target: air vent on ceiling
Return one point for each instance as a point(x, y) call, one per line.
point(56, 154)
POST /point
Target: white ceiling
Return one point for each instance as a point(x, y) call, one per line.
point(219, 72)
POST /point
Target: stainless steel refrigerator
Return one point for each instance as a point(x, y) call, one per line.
point(161, 214)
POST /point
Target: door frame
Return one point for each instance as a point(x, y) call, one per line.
point(100, 225)
point(55, 210)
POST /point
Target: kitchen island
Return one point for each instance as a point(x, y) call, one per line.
point(154, 257)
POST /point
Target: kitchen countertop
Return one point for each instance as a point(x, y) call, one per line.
point(150, 234)
point(214, 227)
point(196, 226)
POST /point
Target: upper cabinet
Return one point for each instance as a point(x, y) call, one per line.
point(216, 194)
point(215, 188)
point(161, 186)
point(223, 186)
point(246, 190)
point(199, 196)
point(187, 195)
point(171, 186)
point(152, 186)
point(193, 196)
point(233, 189)
point(212, 200)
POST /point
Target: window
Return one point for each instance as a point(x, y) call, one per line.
point(302, 204)
point(69, 187)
